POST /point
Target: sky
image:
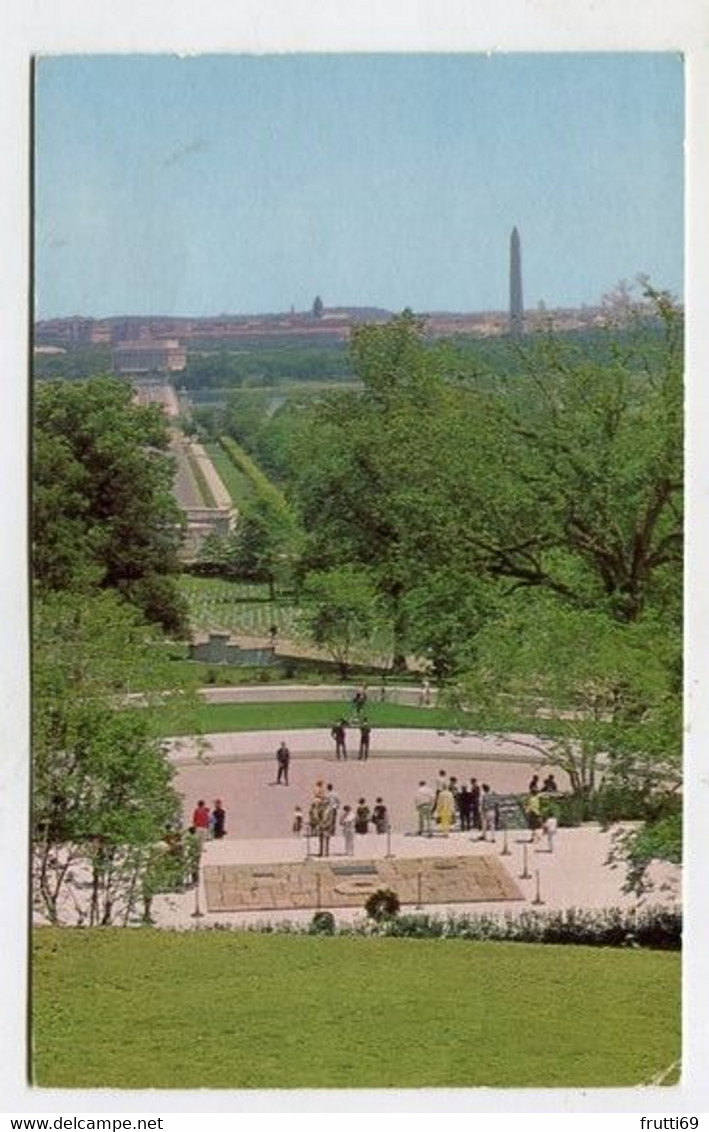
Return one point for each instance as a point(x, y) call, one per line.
point(250, 184)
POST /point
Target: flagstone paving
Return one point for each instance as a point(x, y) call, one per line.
point(343, 883)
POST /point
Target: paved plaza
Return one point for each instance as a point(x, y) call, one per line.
point(262, 871)
point(240, 769)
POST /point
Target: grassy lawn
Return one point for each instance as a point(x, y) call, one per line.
point(284, 716)
point(141, 1008)
point(237, 484)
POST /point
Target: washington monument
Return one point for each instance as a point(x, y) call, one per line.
point(516, 301)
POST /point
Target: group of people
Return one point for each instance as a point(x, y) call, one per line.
point(339, 734)
point(326, 815)
point(446, 802)
point(209, 823)
point(475, 806)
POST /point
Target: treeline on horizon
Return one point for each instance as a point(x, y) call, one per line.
point(261, 362)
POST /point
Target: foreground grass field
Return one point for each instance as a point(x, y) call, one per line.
point(209, 718)
point(141, 1008)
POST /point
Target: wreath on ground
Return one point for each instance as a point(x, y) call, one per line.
point(383, 904)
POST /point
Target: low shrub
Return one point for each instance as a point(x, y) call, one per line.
point(611, 803)
point(322, 923)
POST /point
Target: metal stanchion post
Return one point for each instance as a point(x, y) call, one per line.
point(198, 913)
point(389, 853)
point(318, 892)
point(418, 890)
point(307, 841)
point(506, 851)
point(525, 874)
point(538, 897)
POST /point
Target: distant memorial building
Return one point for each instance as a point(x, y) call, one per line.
point(149, 355)
point(516, 301)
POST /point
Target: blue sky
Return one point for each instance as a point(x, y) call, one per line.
point(252, 183)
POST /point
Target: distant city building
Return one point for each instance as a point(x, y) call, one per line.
point(72, 332)
point(516, 300)
point(149, 356)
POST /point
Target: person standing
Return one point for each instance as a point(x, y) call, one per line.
point(328, 827)
point(533, 814)
point(333, 802)
point(338, 733)
point(455, 791)
point(441, 782)
point(424, 808)
point(362, 817)
point(550, 827)
point(320, 824)
point(380, 816)
point(475, 812)
point(488, 806)
point(464, 807)
point(360, 699)
point(218, 820)
point(201, 820)
point(365, 734)
point(347, 825)
point(283, 762)
point(444, 812)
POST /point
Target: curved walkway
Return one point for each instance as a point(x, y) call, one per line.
point(309, 693)
point(390, 742)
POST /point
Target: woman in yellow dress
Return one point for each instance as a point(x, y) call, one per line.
point(444, 812)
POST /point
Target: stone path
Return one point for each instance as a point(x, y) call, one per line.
point(237, 746)
point(344, 882)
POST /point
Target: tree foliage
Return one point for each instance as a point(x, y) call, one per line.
point(340, 613)
point(566, 475)
point(596, 697)
point(103, 509)
point(102, 786)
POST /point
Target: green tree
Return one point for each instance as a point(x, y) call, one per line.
point(585, 492)
point(264, 545)
point(103, 508)
point(244, 414)
point(102, 785)
point(372, 467)
point(443, 616)
point(595, 697)
point(341, 613)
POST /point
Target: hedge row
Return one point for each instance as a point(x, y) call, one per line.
point(260, 482)
point(653, 927)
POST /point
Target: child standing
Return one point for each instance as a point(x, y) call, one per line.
point(550, 827)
